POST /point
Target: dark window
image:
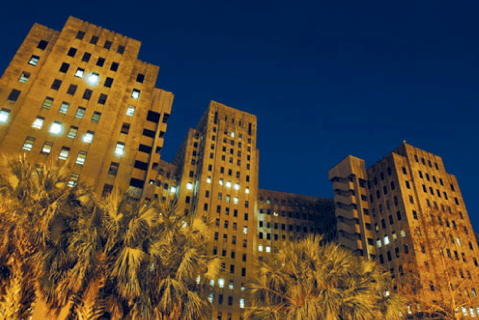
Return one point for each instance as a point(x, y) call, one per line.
point(144, 148)
point(100, 62)
point(114, 66)
point(80, 35)
point(140, 78)
point(113, 168)
point(165, 117)
point(94, 40)
point(72, 89)
point(107, 45)
point(64, 67)
point(149, 133)
point(141, 165)
point(56, 84)
point(162, 134)
point(42, 44)
point(87, 94)
point(102, 98)
point(108, 82)
point(72, 52)
point(153, 116)
point(137, 183)
point(125, 128)
point(107, 189)
point(14, 94)
point(121, 49)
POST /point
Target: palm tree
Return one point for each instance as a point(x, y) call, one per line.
point(35, 205)
point(306, 280)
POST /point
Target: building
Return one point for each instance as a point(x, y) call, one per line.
point(408, 213)
point(82, 96)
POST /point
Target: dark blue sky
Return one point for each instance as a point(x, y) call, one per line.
point(325, 78)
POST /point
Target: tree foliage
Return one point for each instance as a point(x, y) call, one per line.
point(306, 280)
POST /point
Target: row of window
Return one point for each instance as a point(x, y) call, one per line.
point(211, 298)
point(94, 40)
point(227, 211)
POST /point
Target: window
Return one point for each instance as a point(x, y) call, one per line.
point(102, 98)
point(73, 180)
point(72, 89)
point(79, 73)
point(24, 77)
point(87, 94)
point(86, 57)
point(80, 35)
point(28, 144)
point(166, 117)
point(96, 117)
point(42, 45)
point(121, 49)
point(88, 137)
point(100, 62)
point(408, 185)
point(34, 60)
point(107, 45)
point(108, 82)
point(135, 94)
point(47, 147)
point(140, 78)
point(4, 115)
point(130, 111)
point(120, 149)
point(114, 66)
point(72, 132)
point(38, 123)
point(64, 153)
point(64, 107)
point(80, 112)
point(113, 170)
point(64, 67)
point(81, 158)
point(72, 52)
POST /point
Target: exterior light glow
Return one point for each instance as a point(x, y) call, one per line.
point(93, 79)
point(228, 184)
point(120, 149)
point(237, 186)
point(173, 189)
point(4, 114)
point(56, 128)
point(189, 186)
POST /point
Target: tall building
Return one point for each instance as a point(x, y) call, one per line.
point(408, 213)
point(82, 96)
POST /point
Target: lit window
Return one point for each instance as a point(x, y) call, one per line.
point(47, 103)
point(130, 111)
point(212, 282)
point(79, 73)
point(245, 230)
point(221, 181)
point(211, 297)
point(64, 108)
point(47, 147)
point(235, 200)
point(246, 190)
point(232, 134)
point(38, 123)
point(81, 157)
point(73, 180)
point(221, 283)
point(378, 242)
point(64, 153)
point(120, 149)
point(275, 214)
point(135, 94)
point(189, 186)
point(237, 186)
point(56, 127)
point(96, 117)
point(458, 241)
point(4, 115)
point(80, 112)
point(34, 60)
point(208, 180)
point(403, 233)
point(88, 137)
point(93, 79)
point(228, 184)
point(28, 144)
point(231, 285)
point(268, 249)
point(394, 236)
point(173, 189)
point(24, 77)
point(242, 303)
point(72, 132)
point(260, 248)
point(386, 240)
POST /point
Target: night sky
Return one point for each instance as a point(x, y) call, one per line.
point(325, 78)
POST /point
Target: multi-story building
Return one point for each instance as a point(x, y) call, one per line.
point(407, 212)
point(82, 96)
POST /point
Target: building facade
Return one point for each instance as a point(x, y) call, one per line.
point(81, 95)
point(407, 212)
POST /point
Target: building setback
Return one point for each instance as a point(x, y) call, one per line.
point(407, 212)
